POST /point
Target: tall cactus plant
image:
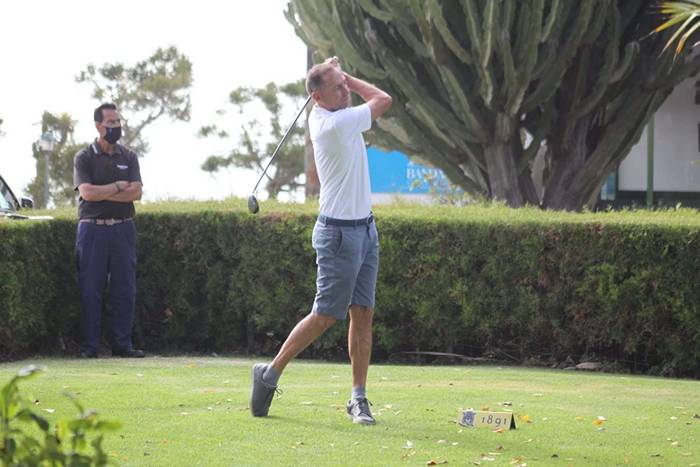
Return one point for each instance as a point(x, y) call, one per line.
point(482, 86)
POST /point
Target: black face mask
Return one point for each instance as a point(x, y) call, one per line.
point(112, 135)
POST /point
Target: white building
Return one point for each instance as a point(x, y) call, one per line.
point(673, 155)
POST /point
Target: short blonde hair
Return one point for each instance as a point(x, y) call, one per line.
point(314, 77)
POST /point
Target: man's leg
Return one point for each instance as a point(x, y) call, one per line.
point(92, 254)
point(304, 333)
point(360, 343)
point(360, 333)
point(122, 287)
point(265, 377)
point(333, 290)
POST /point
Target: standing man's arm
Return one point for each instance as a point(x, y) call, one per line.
point(378, 100)
point(132, 192)
point(90, 192)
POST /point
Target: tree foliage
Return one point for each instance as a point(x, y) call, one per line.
point(483, 86)
point(156, 87)
point(60, 162)
point(253, 151)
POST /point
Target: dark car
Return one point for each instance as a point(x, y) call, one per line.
point(9, 205)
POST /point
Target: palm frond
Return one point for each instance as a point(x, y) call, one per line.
point(683, 12)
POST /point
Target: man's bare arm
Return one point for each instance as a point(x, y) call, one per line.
point(90, 192)
point(378, 100)
point(131, 193)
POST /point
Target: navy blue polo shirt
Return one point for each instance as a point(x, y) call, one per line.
point(95, 167)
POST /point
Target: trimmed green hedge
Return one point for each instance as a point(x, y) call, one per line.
point(479, 280)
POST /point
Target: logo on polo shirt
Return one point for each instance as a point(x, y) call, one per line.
point(123, 167)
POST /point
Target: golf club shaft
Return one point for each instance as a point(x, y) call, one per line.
point(281, 143)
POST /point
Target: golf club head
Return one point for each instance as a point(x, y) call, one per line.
point(253, 205)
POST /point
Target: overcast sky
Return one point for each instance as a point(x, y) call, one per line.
point(45, 44)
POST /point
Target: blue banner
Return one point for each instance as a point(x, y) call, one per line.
point(393, 172)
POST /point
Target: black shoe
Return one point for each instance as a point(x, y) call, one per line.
point(88, 354)
point(128, 353)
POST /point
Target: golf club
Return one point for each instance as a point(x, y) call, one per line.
point(253, 205)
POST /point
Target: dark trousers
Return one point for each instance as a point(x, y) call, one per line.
point(107, 254)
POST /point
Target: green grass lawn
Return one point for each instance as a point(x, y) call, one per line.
point(194, 411)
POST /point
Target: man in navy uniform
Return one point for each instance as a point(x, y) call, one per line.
point(107, 176)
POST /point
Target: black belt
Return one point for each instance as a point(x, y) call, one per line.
point(345, 222)
point(105, 221)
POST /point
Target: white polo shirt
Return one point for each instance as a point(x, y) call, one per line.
point(341, 160)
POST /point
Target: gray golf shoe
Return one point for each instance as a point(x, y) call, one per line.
point(262, 393)
point(358, 410)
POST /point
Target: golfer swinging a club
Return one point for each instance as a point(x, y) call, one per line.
point(344, 237)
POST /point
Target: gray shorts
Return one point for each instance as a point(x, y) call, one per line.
point(348, 261)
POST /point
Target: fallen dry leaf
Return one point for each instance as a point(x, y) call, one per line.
point(442, 441)
point(525, 419)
